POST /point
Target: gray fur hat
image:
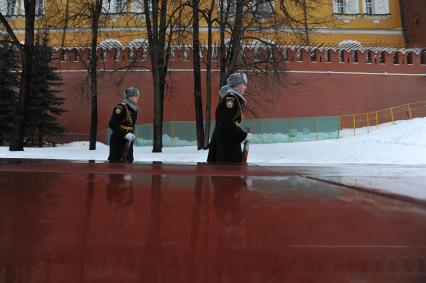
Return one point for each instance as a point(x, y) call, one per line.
point(131, 91)
point(237, 78)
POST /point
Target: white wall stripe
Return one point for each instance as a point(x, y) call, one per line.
point(290, 71)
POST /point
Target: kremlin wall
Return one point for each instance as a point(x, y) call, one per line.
point(313, 82)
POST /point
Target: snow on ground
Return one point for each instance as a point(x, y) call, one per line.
point(401, 143)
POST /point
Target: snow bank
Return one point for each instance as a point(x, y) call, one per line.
point(401, 143)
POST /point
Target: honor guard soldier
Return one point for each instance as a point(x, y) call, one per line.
point(122, 124)
point(225, 145)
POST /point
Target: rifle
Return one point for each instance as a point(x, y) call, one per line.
point(126, 151)
point(246, 148)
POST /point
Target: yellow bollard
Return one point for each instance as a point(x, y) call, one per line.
point(377, 120)
point(368, 122)
point(391, 109)
point(354, 118)
point(410, 115)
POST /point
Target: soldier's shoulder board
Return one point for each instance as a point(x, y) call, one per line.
point(118, 109)
point(230, 101)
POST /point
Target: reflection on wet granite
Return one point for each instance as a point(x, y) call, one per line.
point(89, 227)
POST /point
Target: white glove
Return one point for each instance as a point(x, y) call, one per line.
point(130, 137)
point(249, 137)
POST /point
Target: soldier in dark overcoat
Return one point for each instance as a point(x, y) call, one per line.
point(122, 124)
point(225, 145)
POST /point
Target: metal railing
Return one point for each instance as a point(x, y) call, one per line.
point(372, 120)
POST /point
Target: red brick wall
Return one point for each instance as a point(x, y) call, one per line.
point(308, 89)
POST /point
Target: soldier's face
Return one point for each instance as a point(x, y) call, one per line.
point(134, 99)
point(241, 87)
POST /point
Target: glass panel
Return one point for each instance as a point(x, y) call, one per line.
point(182, 133)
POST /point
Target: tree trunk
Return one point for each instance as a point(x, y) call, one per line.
point(237, 35)
point(93, 77)
point(40, 136)
point(222, 47)
point(17, 143)
point(154, 49)
point(197, 75)
point(209, 77)
point(305, 22)
point(158, 130)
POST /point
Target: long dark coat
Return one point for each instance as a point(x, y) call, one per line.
point(225, 145)
point(122, 122)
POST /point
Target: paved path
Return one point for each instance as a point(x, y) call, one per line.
point(98, 222)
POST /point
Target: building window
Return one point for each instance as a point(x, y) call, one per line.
point(103, 54)
point(410, 58)
point(137, 7)
point(369, 57)
point(39, 8)
point(120, 6)
point(261, 8)
point(383, 57)
point(340, 6)
point(10, 8)
point(350, 7)
point(232, 6)
point(369, 7)
point(376, 7)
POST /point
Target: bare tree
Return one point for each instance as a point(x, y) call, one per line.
point(197, 73)
point(93, 14)
point(161, 19)
point(208, 16)
point(253, 25)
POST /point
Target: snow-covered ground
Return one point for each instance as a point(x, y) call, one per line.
point(401, 143)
